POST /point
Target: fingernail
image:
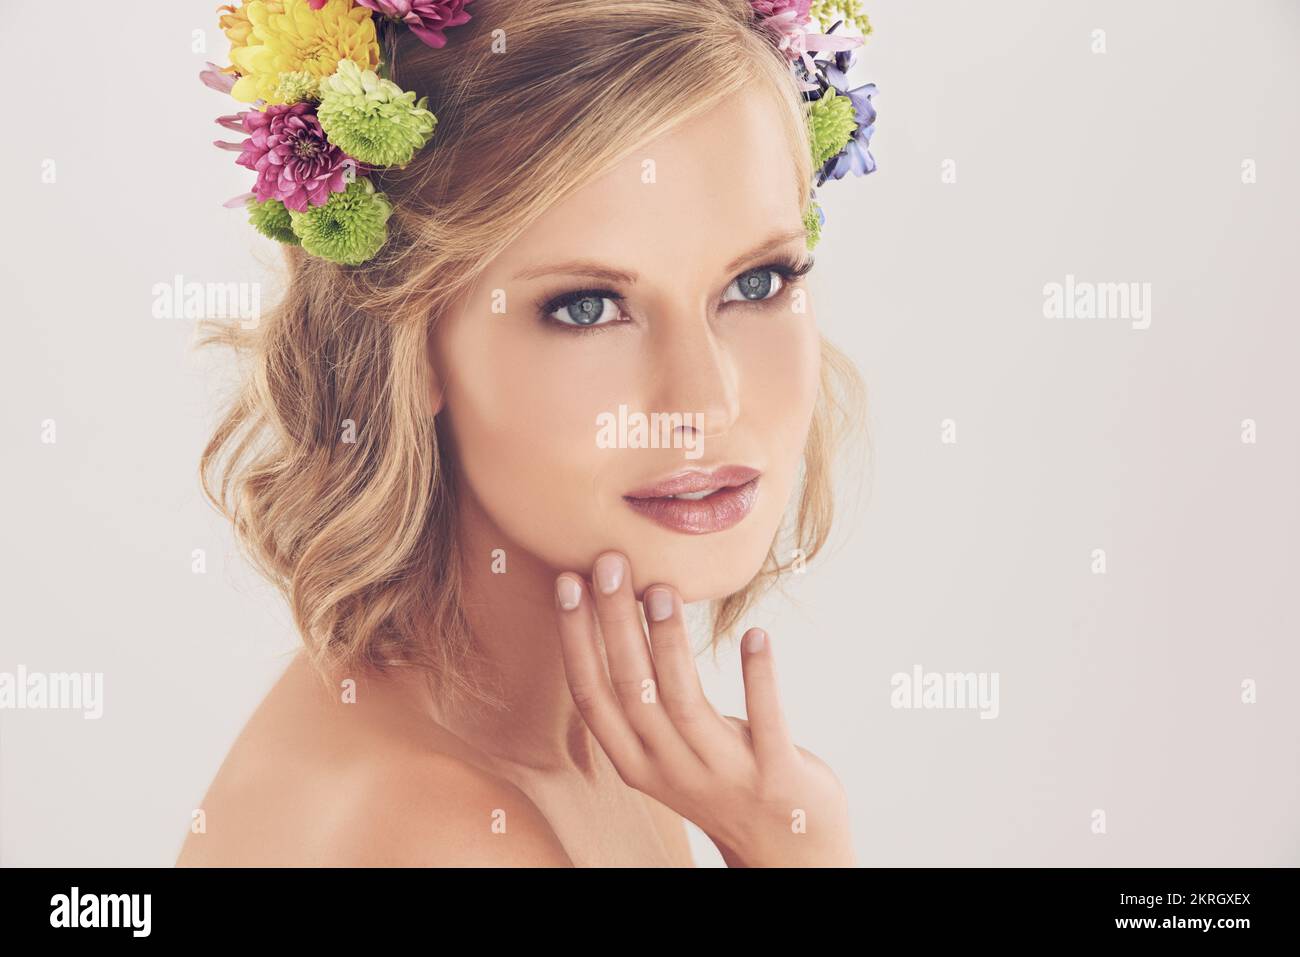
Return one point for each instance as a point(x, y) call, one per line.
point(609, 573)
point(567, 593)
point(659, 604)
point(755, 640)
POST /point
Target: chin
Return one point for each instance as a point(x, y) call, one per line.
point(700, 567)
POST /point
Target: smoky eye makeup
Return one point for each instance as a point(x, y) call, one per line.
point(593, 310)
point(765, 284)
point(582, 310)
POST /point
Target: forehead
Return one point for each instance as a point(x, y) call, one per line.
point(701, 194)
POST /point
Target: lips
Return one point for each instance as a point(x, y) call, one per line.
point(699, 502)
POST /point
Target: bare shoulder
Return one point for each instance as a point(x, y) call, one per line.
point(311, 781)
point(388, 810)
point(441, 812)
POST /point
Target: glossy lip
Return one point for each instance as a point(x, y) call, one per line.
point(733, 490)
point(697, 480)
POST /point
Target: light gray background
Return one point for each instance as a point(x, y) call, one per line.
point(1118, 692)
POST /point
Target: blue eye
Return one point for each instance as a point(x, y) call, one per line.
point(755, 285)
point(585, 309)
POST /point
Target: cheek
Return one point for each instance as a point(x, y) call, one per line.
point(776, 363)
point(522, 405)
point(780, 366)
point(782, 373)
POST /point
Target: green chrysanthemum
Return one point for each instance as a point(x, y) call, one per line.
point(812, 222)
point(370, 118)
point(827, 12)
point(348, 229)
point(831, 122)
point(296, 87)
point(271, 219)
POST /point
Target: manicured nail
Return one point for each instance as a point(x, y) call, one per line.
point(659, 604)
point(609, 573)
point(755, 640)
point(567, 593)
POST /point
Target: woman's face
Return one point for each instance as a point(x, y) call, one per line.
point(647, 336)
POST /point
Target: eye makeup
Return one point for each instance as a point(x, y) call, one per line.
point(588, 308)
point(578, 304)
point(790, 270)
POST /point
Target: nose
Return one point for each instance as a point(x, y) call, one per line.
point(694, 374)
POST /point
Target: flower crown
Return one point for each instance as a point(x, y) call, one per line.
point(840, 119)
point(324, 116)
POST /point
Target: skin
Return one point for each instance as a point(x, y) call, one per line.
point(523, 421)
point(584, 775)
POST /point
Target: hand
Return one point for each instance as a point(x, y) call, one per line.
point(762, 800)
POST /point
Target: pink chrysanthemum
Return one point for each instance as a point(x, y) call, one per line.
point(774, 8)
point(787, 21)
point(294, 161)
point(215, 78)
point(426, 18)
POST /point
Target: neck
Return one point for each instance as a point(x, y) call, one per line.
point(511, 612)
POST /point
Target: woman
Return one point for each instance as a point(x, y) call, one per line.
point(439, 458)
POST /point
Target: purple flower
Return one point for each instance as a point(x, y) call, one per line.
point(294, 161)
point(426, 18)
point(856, 157)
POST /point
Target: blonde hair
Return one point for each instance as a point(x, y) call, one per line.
point(360, 537)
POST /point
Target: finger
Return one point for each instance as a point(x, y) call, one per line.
point(695, 718)
point(767, 727)
point(631, 669)
point(589, 682)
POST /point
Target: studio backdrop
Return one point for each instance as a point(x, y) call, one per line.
point(1057, 621)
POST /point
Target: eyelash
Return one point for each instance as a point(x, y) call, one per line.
point(790, 270)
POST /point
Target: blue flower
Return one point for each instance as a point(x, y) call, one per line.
point(856, 156)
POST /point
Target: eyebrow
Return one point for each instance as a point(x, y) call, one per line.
point(579, 267)
point(766, 248)
point(595, 270)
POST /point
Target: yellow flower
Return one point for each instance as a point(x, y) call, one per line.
point(234, 22)
point(288, 36)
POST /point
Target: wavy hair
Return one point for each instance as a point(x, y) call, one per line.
point(534, 98)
